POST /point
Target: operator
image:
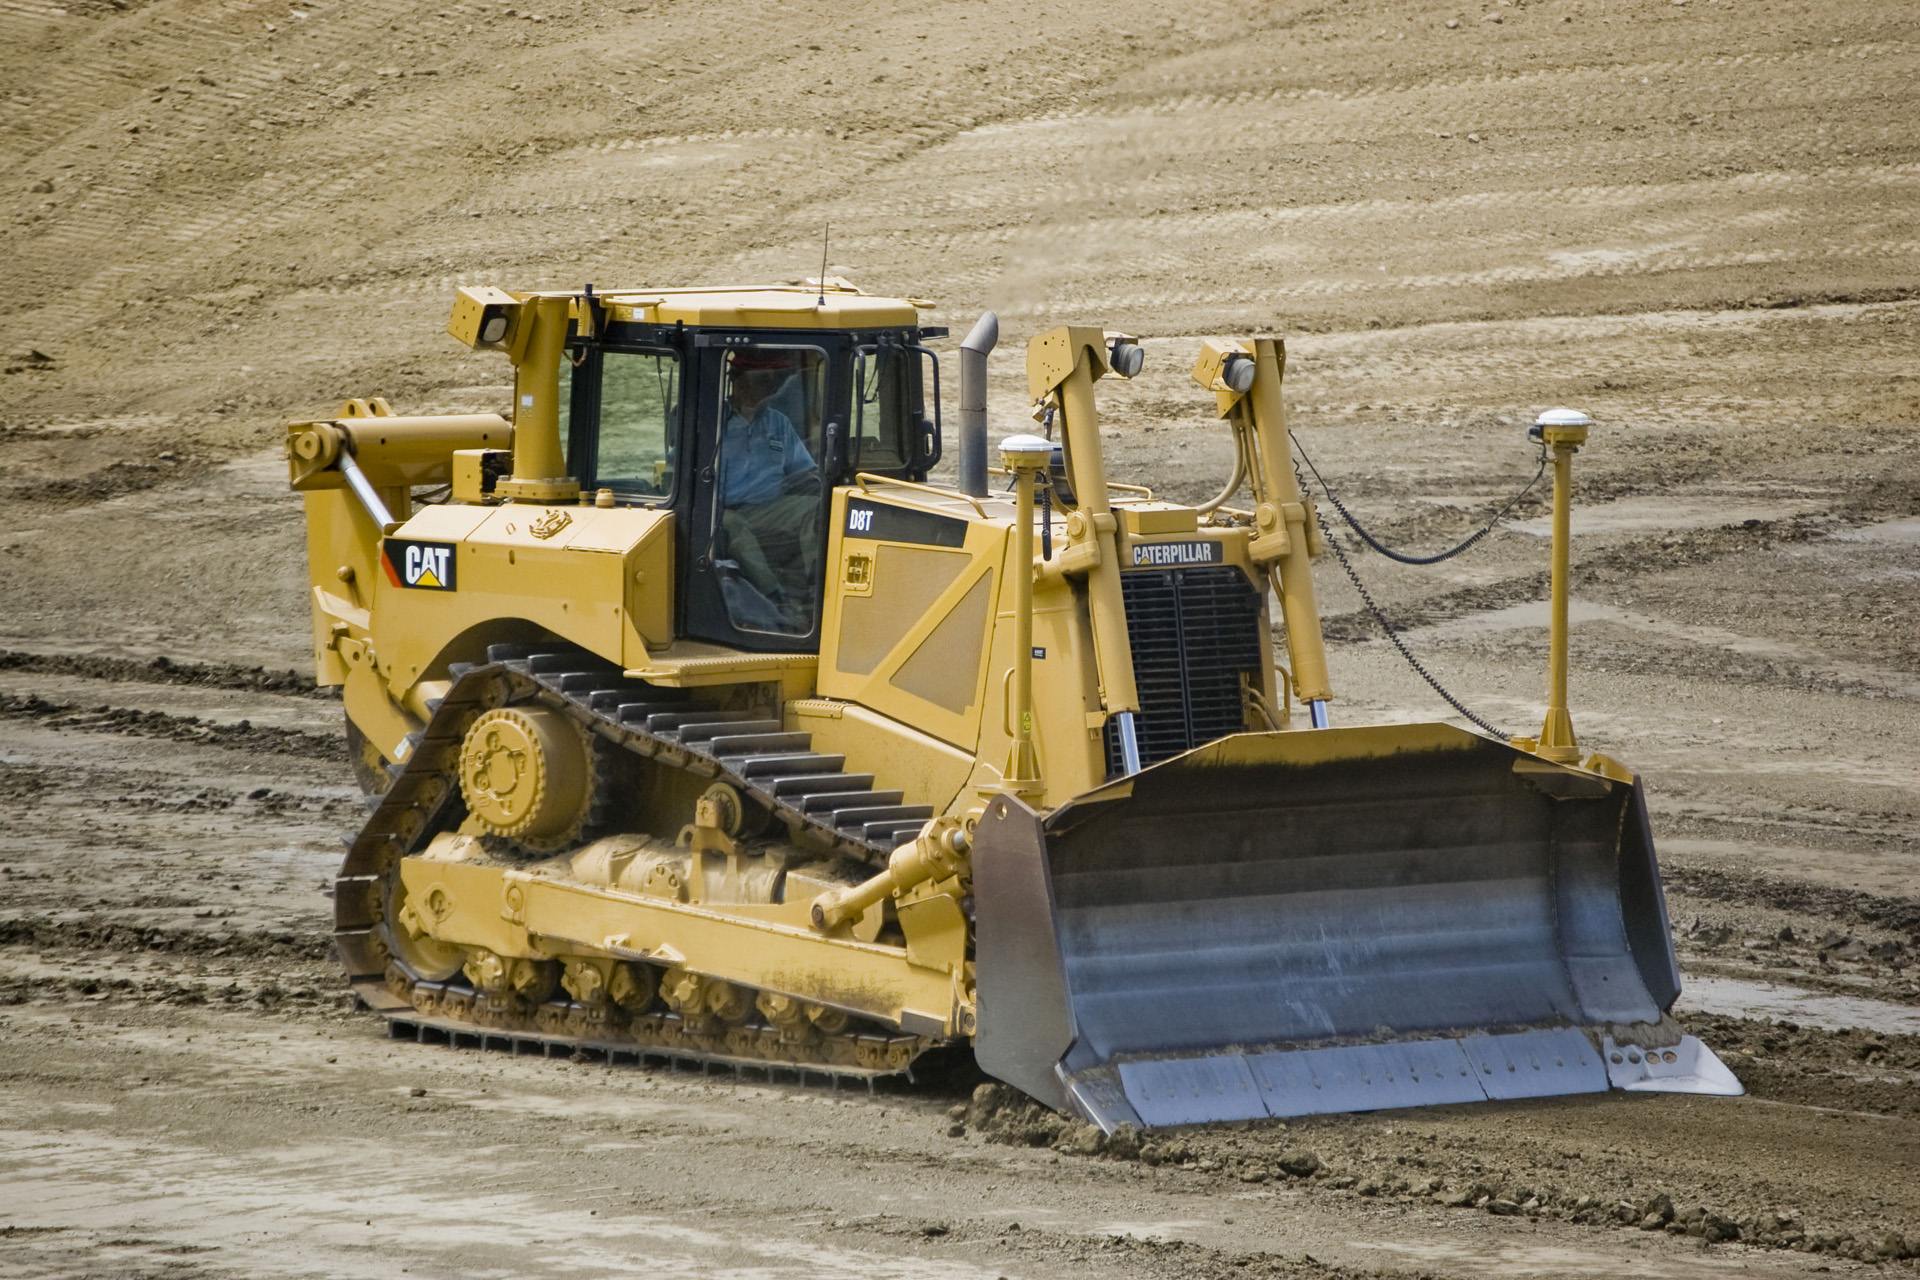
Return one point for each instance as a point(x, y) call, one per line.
point(769, 489)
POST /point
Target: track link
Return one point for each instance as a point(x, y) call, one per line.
point(809, 790)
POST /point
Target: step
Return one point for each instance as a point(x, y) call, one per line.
point(629, 712)
point(692, 731)
point(837, 800)
point(864, 815)
point(766, 743)
point(785, 768)
point(891, 834)
point(806, 784)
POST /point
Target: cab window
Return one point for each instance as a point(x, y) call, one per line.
point(639, 404)
point(885, 412)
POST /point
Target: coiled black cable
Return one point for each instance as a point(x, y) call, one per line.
point(1392, 633)
point(1389, 552)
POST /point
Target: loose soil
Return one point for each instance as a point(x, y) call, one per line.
point(1694, 220)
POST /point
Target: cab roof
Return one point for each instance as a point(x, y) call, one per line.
point(807, 305)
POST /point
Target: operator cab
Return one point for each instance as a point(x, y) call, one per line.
point(743, 430)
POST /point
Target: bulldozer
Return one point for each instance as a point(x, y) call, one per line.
point(695, 724)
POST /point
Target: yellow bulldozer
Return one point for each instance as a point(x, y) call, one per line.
point(696, 724)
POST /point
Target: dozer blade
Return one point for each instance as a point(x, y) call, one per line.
point(1334, 920)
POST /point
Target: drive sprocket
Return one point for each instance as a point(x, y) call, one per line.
point(531, 775)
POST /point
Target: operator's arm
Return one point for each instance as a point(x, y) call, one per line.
point(729, 463)
point(800, 474)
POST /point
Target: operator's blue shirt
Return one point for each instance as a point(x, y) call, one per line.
point(756, 457)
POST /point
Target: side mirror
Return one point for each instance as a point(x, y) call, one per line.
point(930, 444)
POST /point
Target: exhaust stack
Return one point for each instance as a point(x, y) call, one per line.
point(973, 403)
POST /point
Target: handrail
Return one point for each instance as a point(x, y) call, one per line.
point(861, 478)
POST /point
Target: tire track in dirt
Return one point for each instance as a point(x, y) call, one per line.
point(176, 728)
point(1573, 85)
point(337, 160)
point(525, 229)
point(267, 205)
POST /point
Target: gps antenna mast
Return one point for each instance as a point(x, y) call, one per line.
point(826, 230)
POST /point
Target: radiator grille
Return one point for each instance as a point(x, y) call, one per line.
point(1195, 633)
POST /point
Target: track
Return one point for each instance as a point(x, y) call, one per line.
point(821, 806)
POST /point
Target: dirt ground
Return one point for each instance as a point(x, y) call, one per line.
point(1694, 220)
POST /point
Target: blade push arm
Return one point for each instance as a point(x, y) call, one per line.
point(1062, 365)
point(379, 456)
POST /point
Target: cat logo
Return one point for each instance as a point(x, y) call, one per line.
point(418, 564)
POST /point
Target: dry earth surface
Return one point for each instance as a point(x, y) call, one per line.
point(1695, 220)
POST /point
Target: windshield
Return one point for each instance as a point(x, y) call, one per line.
point(639, 403)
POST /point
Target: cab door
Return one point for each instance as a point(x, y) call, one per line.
point(766, 438)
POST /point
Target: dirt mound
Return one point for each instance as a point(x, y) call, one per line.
point(164, 670)
point(1449, 1157)
point(1717, 884)
point(64, 934)
point(104, 718)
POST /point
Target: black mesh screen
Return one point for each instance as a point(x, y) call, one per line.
point(1194, 632)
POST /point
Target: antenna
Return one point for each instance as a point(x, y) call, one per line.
point(826, 230)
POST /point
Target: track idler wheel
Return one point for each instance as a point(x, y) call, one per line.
point(633, 986)
point(786, 1015)
point(605, 993)
point(508, 988)
point(416, 953)
point(527, 775)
